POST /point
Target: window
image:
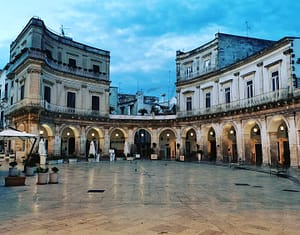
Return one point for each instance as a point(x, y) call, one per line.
point(122, 110)
point(96, 68)
point(249, 89)
point(72, 62)
point(189, 70)
point(22, 90)
point(189, 103)
point(206, 64)
point(71, 100)
point(12, 83)
point(275, 81)
point(227, 95)
point(11, 100)
point(48, 54)
point(207, 100)
point(95, 103)
point(59, 57)
point(6, 91)
point(47, 94)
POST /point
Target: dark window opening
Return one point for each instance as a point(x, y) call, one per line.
point(47, 94)
point(95, 103)
point(71, 100)
point(22, 92)
point(96, 68)
point(72, 62)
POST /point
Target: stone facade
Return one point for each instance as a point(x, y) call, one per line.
point(231, 106)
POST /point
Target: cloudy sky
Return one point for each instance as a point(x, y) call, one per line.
point(143, 35)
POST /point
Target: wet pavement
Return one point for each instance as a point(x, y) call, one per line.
point(151, 197)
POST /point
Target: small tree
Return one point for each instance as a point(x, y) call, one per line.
point(143, 111)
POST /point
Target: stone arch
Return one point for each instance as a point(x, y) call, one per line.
point(229, 142)
point(167, 144)
point(142, 143)
point(46, 133)
point(117, 141)
point(94, 134)
point(189, 139)
point(209, 142)
point(69, 141)
point(253, 142)
point(278, 129)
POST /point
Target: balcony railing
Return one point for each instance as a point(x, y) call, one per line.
point(77, 71)
point(244, 103)
point(195, 74)
point(36, 103)
point(36, 54)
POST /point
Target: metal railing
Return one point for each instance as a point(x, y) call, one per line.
point(36, 54)
point(42, 104)
point(243, 103)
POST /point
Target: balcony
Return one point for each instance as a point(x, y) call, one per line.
point(244, 103)
point(76, 70)
point(41, 104)
point(195, 74)
point(39, 55)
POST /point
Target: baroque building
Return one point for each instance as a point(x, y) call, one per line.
point(242, 107)
point(237, 99)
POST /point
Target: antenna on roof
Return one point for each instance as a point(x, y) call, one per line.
point(247, 27)
point(62, 30)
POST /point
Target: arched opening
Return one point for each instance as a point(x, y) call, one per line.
point(68, 143)
point(167, 145)
point(117, 141)
point(212, 145)
point(255, 146)
point(190, 145)
point(229, 146)
point(283, 145)
point(142, 143)
point(92, 135)
point(279, 142)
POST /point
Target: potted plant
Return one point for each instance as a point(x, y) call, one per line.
point(42, 175)
point(30, 167)
point(73, 158)
point(14, 178)
point(13, 171)
point(91, 157)
point(53, 176)
point(129, 157)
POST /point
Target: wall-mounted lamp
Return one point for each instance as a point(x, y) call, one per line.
point(68, 133)
point(211, 133)
point(168, 134)
point(255, 129)
point(41, 132)
point(231, 132)
point(93, 134)
point(281, 128)
point(117, 134)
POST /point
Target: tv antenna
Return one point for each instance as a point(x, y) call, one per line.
point(247, 27)
point(62, 30)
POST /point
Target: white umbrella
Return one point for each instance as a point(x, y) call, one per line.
point(11, 133)
point(92, 149)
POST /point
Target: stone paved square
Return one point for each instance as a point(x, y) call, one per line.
point(151, 197)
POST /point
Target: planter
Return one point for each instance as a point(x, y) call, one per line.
point(42, 178)
point(153, 156)
point(181, 158)
point(60, 161)
point(53, 178)
point(130, 158)
point(12, 171)
point(72, 160)
point(30, 170)
point(52, 162)
point(15, 180)
point(91, 159)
